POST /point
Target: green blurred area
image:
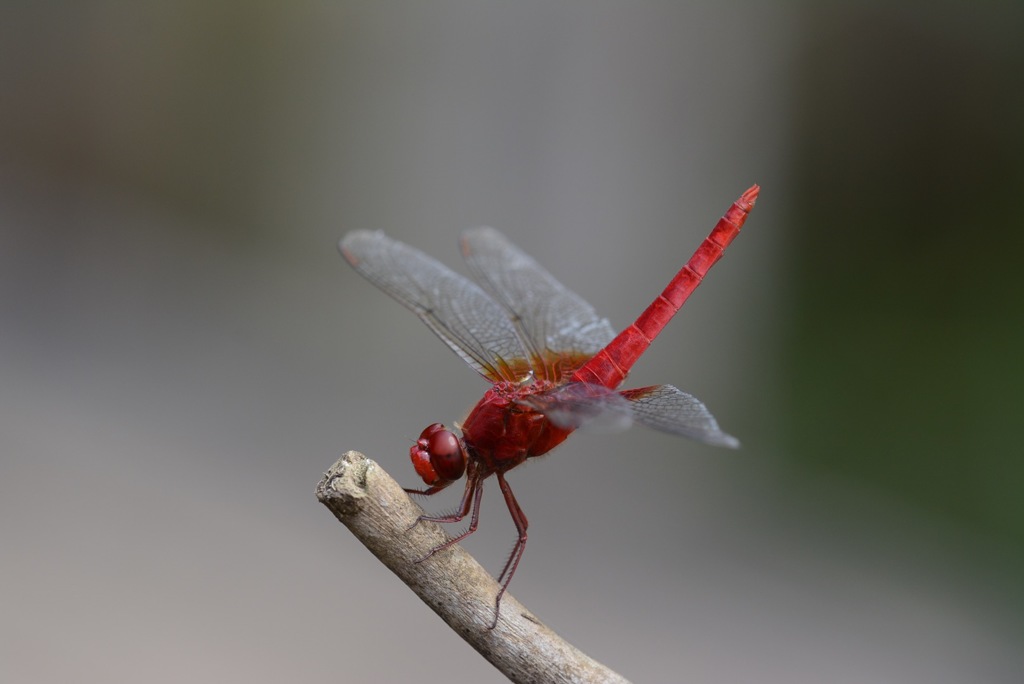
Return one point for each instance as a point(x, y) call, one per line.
point(905, 353)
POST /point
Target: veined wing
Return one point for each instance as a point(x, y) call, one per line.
point(558, 329)
point(582, 405)
point(666, 408)
point(662, 407)
point(475, 326)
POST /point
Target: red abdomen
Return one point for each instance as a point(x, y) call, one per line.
point(610, 365)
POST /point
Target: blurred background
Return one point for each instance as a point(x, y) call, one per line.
point(183, 353)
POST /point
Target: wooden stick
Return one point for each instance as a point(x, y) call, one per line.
point(382, 516)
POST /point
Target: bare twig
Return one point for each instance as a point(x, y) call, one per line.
point(381, 515)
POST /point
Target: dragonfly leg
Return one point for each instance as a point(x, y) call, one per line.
point(427, 492)
point(519, 518)
point(471, 499)
point(463, 509)
point(434, 490)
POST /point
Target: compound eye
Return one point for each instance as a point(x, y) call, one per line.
point(446, 454)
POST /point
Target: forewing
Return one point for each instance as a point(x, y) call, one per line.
point(475, 326)
point(556, 326)
point(582, 405)
point(666, 408)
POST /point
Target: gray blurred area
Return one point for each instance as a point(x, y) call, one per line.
point(183, 352)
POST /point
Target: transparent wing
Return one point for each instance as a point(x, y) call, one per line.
point(666, 408)
point(582, 405)
point(557, 328)
point(475, 326)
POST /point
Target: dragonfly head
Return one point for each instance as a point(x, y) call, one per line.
point(438, 456)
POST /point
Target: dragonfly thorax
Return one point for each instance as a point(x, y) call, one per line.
point(502, 432)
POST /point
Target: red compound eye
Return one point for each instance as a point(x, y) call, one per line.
point(438, 456)
point(446, 455)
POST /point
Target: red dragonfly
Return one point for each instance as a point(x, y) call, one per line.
point(553, 363)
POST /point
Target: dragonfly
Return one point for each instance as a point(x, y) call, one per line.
point(554, 365)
